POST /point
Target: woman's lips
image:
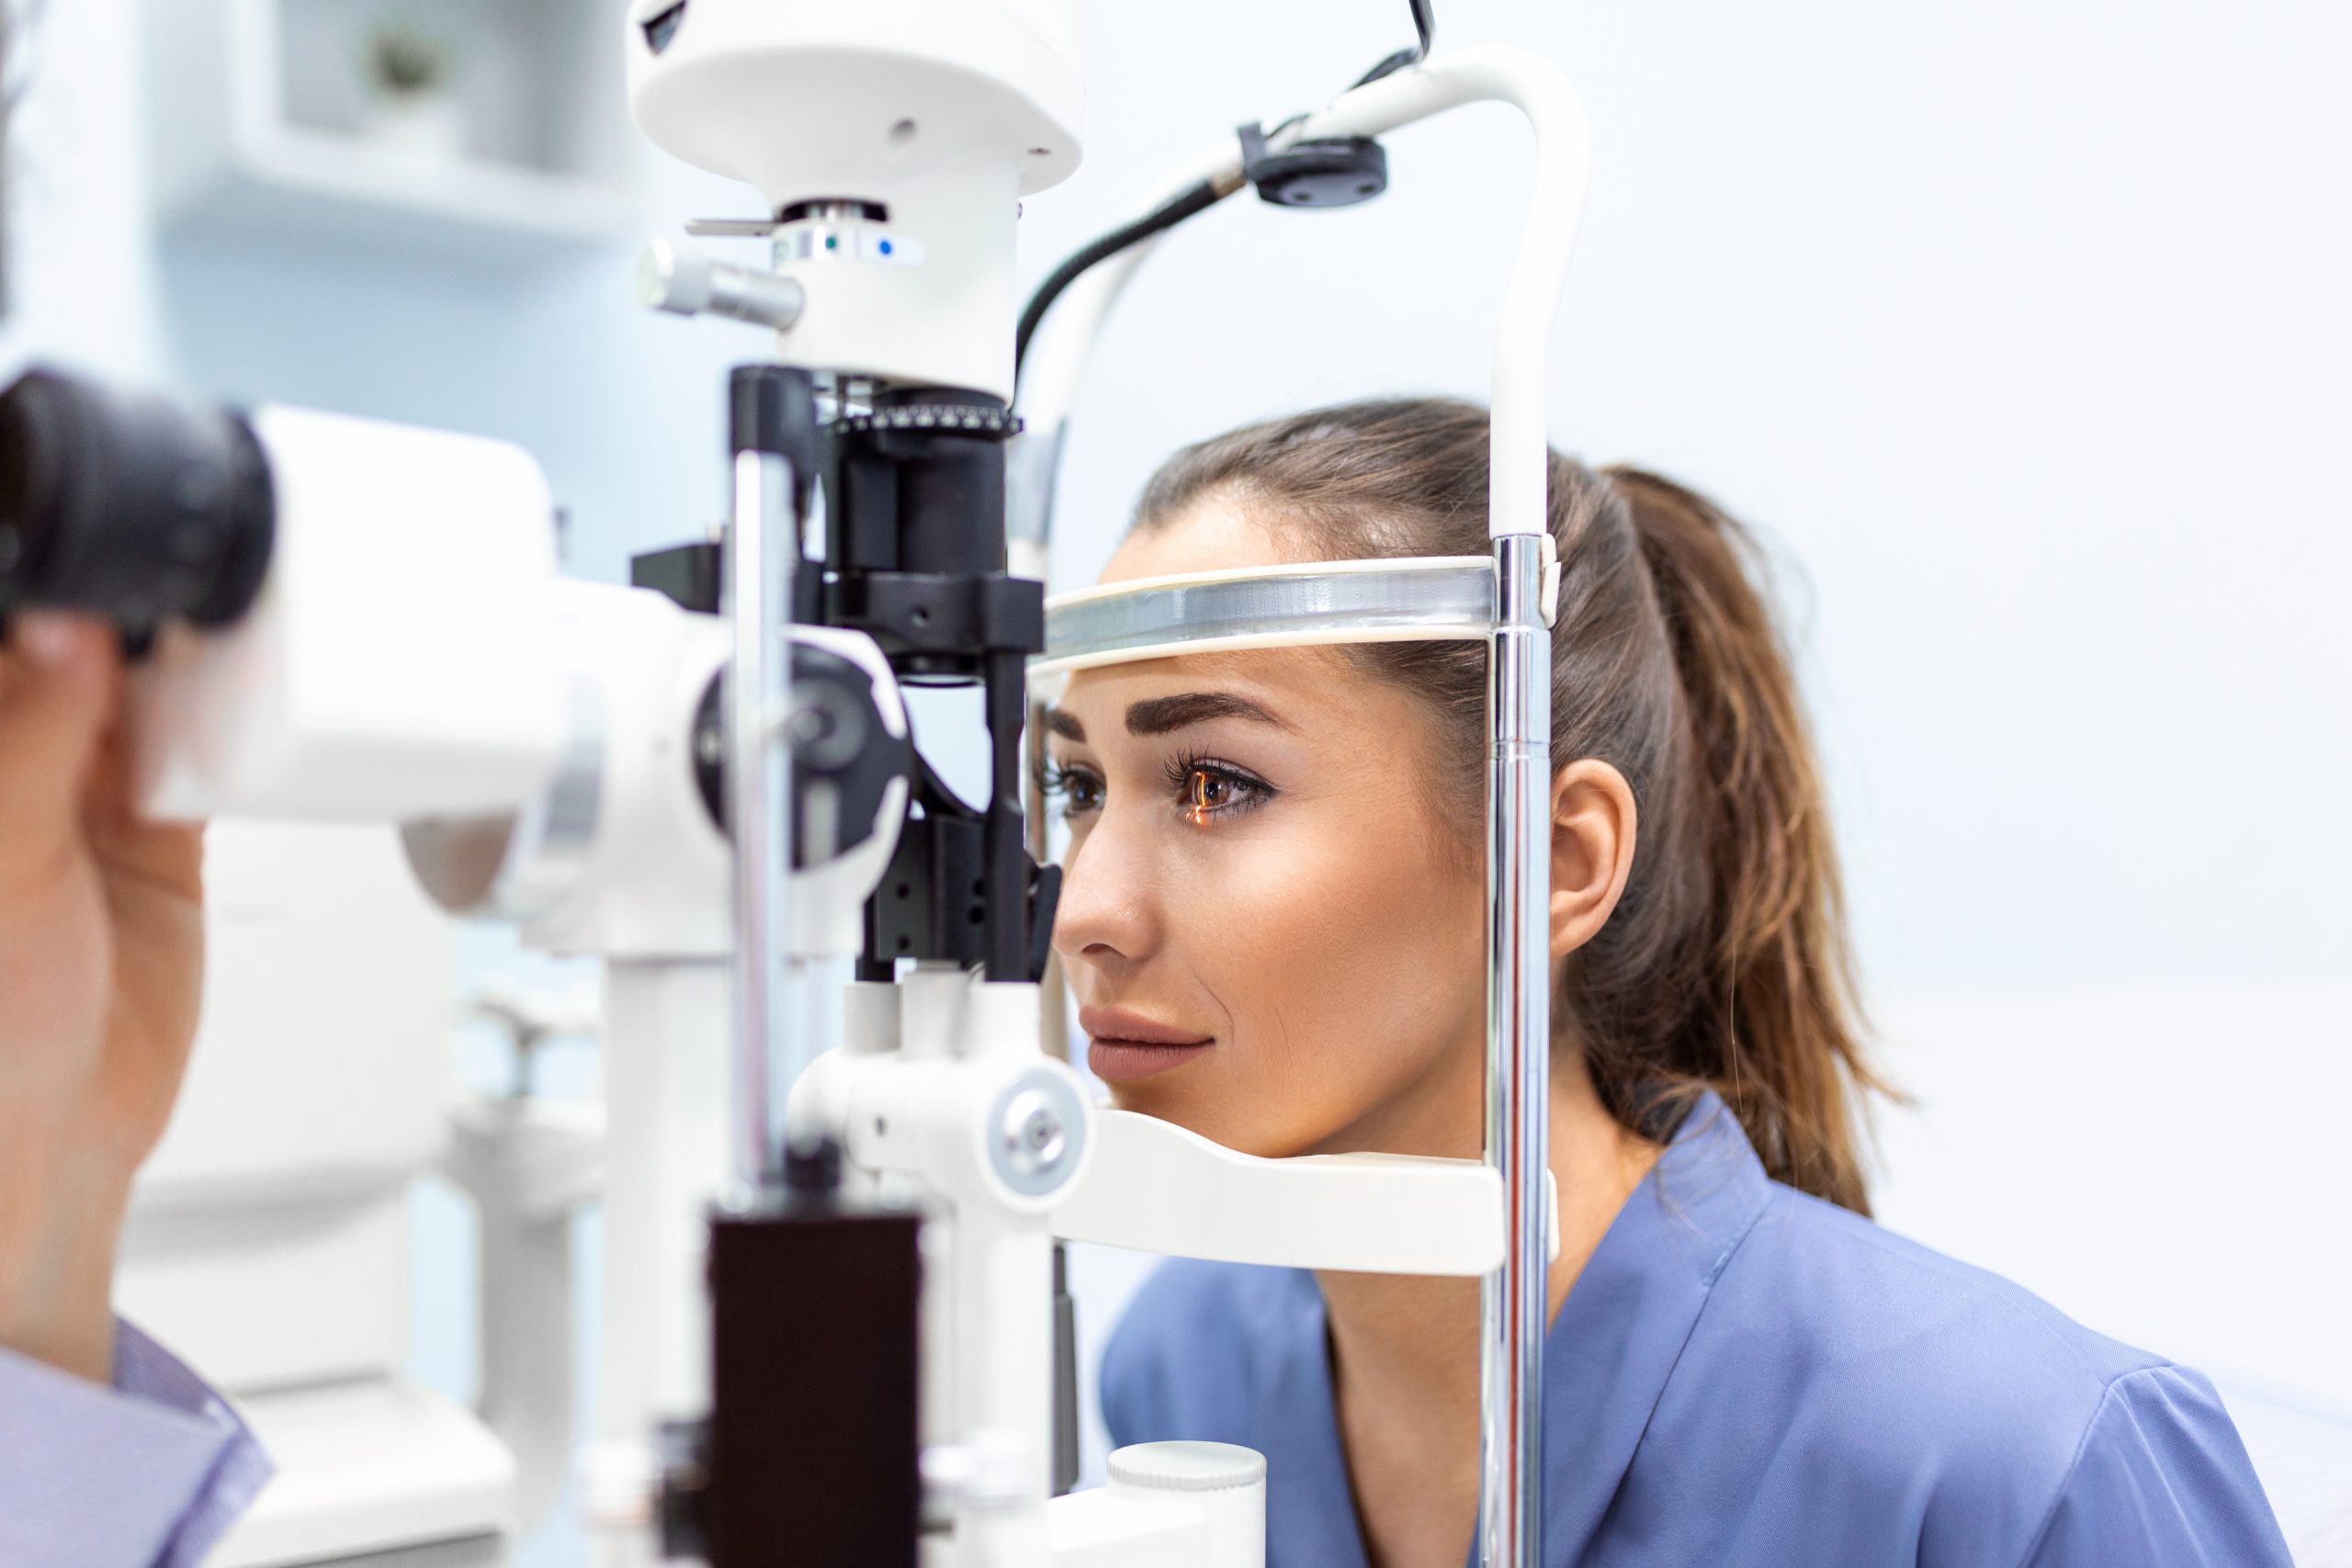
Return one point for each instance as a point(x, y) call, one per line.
point(1127, 1045)
point(1118, 1061)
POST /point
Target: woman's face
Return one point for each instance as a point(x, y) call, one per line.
point(1272, 937)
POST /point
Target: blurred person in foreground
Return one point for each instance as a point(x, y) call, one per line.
point(111, 1452)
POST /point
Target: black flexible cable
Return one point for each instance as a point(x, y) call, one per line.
point(1425, 25)
point(1166, 216)
point(1186, 203)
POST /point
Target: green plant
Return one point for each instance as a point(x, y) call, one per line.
point(403, 60)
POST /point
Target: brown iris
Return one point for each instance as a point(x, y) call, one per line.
point(1204, 792)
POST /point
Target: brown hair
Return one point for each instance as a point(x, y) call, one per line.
point(1725, 964)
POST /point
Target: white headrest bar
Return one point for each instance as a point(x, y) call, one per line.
point(1422, 599)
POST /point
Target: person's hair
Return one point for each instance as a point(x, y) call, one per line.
point(1725, 964)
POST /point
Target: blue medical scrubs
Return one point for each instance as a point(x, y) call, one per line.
point(1745, 1375)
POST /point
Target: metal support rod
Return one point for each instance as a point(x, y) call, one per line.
point(1053, 990)
point(1514, 1301)
point(1004, 840)
point(758, 593)
point(1032, 460)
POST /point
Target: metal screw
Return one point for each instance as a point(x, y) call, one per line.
point(810, 724)
point(1035, 1140)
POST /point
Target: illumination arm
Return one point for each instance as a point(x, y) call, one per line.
point(1064, 343)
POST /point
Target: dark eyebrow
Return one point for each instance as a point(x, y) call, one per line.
point(1065, 724)
point(1158, 715)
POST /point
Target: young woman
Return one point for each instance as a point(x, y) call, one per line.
point(1273, 918)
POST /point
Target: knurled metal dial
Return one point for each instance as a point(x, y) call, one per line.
point(955, 417)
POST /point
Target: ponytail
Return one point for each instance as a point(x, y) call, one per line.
point(1773, 1025)
point(1725, 964)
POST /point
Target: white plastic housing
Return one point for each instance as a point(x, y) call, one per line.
point(665, 1081)
point(267, 1238)
point(617, 855)
point(945, 112)
point(1225, 1481)
point(268, 1241)
point(654, 881)
point(1174, 1505)
point(396, 663)
point(1153, 1186)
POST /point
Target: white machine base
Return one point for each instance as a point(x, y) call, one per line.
point(374, 1471)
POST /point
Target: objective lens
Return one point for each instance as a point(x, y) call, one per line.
point(128, 506)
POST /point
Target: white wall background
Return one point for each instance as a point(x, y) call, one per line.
point(2022, 327)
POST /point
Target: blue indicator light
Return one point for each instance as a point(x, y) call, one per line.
point(885, 247)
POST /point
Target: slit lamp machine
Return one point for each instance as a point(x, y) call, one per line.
point(845, 1339)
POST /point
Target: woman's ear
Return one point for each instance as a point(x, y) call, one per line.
point(1592, 850)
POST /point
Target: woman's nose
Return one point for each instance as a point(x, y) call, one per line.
point(1106, 918)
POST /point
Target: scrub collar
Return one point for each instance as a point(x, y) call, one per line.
point(1606, 1360)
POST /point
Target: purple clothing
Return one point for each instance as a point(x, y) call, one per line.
point(150, 1473)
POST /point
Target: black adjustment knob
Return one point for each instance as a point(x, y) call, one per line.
point(812, 1167)
point(837, 738)
point(1330, 170)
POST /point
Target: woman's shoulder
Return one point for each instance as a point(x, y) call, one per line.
point(1937, 1386)
point(1866, 1298)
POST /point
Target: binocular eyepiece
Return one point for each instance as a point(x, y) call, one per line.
point(129, 506)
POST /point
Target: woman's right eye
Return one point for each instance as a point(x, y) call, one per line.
point(1080, 789)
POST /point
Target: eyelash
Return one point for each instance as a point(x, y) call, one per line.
point(1063, 781)
point(1188, 772)
point(1189, 775)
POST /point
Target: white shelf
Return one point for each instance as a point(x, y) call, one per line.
point(258, 126)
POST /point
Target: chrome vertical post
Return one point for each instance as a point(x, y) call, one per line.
point(1513, 1301)
point(1033, 464)
point(761, 551)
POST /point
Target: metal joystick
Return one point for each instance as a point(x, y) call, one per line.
point(686, 283)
